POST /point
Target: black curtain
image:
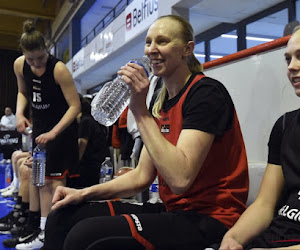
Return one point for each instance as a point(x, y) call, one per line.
point(8, 81)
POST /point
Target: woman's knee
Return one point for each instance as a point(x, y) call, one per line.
point(56, 230)
point(24, 172)
point(97, 230)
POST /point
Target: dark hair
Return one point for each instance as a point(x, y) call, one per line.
point(85, 105)
point(31, 39)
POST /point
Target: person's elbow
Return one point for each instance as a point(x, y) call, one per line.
point(76, 108)
point(181, 185)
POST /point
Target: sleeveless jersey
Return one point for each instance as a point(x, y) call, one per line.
point(48, 106)
point(220, 189)
point(47, 100)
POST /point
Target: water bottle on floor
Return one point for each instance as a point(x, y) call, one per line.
point(113, 98)
point(8, 174)
point(39, 166)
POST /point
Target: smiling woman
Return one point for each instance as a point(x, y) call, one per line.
point(272, 220)
point(193, 143)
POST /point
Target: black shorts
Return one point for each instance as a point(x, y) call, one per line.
point(116, 225)
point(281, 233)
point(62, 153)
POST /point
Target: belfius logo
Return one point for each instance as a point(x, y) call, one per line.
point(141, 11)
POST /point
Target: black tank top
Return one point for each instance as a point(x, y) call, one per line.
point(47, 100)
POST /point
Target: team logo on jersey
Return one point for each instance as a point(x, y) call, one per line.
point(165, 129)
point(38, 88)
point(37, 81)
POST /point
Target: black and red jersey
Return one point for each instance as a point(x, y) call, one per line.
point(221, 187)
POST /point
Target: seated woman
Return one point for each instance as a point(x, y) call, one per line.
point(193, 142)
point(261, 225)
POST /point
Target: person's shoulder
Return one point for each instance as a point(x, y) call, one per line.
point(211, 81)
point(210, 84)
point(60, 69)
point(292, 113)
point(19, 63)
point(287, 117)
point(20, 60)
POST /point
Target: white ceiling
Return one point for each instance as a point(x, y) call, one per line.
point(204, 14)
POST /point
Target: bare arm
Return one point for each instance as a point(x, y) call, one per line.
point(21, 121)
point(64, 80)
point(259, 214)
point(178, 164)
point(186, 157)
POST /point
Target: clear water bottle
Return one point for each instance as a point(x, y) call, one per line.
point(8, 174)
point(102, 175)
point(28, 130)
point(107, 167)
point(39, 166)
point(154, 192)
point(113, 98)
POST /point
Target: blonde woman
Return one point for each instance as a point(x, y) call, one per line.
point(193, 143)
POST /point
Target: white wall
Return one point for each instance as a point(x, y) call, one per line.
point(261, 92)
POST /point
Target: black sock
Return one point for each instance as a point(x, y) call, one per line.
point(24, 206)
point(19, 200)
point(34, 219)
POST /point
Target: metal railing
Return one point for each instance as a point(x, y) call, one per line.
point(111, 15)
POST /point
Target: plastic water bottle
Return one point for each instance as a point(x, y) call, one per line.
point(113, 98)
point(107, 167)
point(28, 130)
point(8, 174)
point(39, 166)
point(102, 175)
point(154, 192)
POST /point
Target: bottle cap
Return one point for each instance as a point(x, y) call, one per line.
point(144, 62)
point(28, 130)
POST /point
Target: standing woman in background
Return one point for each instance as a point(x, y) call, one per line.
point(46, 83)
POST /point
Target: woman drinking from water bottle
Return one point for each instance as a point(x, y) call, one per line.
point(192, 141)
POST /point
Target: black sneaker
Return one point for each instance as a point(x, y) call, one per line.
point(9, 221)
point(26, 234)
point(5, 218)
point(21, 222)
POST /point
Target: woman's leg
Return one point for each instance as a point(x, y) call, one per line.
point(61, 221)
point(180, 230)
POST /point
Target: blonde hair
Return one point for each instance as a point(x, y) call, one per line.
point(31, 39)
point(187, 34)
